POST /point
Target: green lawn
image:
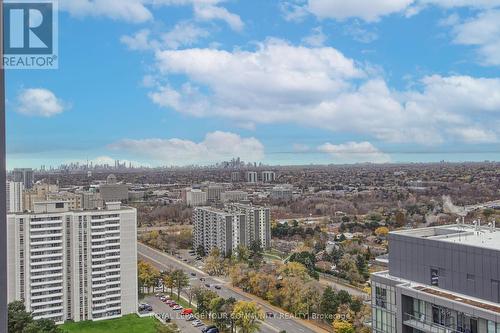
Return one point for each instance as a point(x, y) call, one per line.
point(126, 324)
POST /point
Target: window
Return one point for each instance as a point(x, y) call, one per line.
point(434, 277)
point(381, 297)
point(59, 204)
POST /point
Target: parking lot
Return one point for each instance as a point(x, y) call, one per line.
point(182, 323)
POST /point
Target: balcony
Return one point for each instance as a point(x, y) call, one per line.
point(425, 324)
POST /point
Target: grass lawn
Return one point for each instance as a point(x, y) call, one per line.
point(126, 324)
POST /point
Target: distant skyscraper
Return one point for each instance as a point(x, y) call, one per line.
point(23, 175)
point(73, 265)
point(235, 176)
point(15, 197)
point(251, 177)
point(268, 176)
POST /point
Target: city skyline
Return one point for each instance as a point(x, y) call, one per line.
point(284, 82)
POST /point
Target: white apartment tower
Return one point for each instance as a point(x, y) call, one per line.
point(214, 228)
point(15, 197)
point(258, 223)
point(73, 265)
point(251, 177)
point(268, 176)
point(196, 197)
point(226, 229)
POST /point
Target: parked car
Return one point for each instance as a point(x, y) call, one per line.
point(193, 274)
point(211, 329)
point(172, 304)
point(218, 287)
point(145, 307)
point(207, 285)
point(187, 311)
point(190, 317)
point(177, 307)
point(197, 323)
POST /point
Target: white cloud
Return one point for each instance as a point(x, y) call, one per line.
point(474, 135)
point(482, 31)
point(216, 146)
point(320, 87)
point(133, 11)
point(354, 152)
point(137, 11)
point(182, 34)
point(316, 39)
point(39, 102)
point(373, 10)
point(367, 10)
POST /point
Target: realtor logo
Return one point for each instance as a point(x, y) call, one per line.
point(30, 34)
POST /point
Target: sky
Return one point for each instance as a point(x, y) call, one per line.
point(182, 82)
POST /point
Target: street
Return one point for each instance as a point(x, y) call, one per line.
point(280, 321)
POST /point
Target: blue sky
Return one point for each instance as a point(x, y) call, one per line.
point(178, 82)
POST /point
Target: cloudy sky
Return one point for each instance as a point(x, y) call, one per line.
point(177, 82)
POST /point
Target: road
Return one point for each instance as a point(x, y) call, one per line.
point(281, 321)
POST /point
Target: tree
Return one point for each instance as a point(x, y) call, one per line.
point(42, 326)
point(203, 298)
point(342, 326)
point(214, 264)
point(148, 275)
point(242, 253)
point(18, 317)
point(200, 251)
point(181, 281)
point(169, 282)
point(20, 321)
point(381, 231)
point(247, 316)
point(362, 266)
point(256, 254)
point(329, 304)
point(308, 260)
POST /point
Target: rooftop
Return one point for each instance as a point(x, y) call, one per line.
point(466, 234)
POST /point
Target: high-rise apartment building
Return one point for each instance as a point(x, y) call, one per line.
point(113, 191)
point(235, 176)
point(440, 279)
point(15, 197)
point(214, 228)
point(73, 265)
point(235, 225)
point(282, 193)
point(268, 176)
point(23, 175)
point(195, 197)
point(234, 196)
point(258, 222)
point(214, 192)
point(251, 177)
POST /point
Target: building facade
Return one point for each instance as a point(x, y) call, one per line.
point(258, 223)
point(25, 176)
point(214, 228)
point(268, 176)
point(251, 177)
point(234, 196)
point(214, 192)
point(440, 279)
point(196, 197)
point(15, 197)
point(282, 193)
point(73, 265)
